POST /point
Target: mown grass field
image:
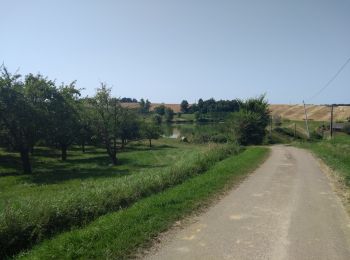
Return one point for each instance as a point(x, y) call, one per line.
point(118, 235)
point(335, 153)
point(50, 172)
point(60, 196)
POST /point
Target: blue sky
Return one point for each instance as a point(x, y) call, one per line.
point(184, 49)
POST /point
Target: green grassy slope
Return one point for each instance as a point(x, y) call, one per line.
point(119, 234)
point(335, 153)
point(41, 205)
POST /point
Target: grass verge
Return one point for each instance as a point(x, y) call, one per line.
point(335, 153)
point(28, 220)
point(118, 235)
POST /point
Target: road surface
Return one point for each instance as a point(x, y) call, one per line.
point(286, 209)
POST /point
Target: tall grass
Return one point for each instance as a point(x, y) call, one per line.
point(28, 220)
point(119, 234)
point(335, 153)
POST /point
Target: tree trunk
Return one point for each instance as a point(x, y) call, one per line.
point(150, 142)
point(64, 152)
point(27, 168)
point(83, 147)
point(112, 154)
point(113, 157)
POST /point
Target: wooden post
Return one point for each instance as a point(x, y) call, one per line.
point(306, 122)
point(331, 124)
point(295, 130)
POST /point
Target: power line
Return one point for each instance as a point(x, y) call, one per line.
point(331, 80)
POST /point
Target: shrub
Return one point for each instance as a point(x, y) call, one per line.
point(201, 138)
point(315, 135)
point(250, 122)
point(157, 119)
point(247, 127)
point(346, 128)
point(219, 138)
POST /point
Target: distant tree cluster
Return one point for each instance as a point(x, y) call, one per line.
point(211, 106)
point(128, 100)
point(34, 110)
point(162, 111)
point(145, 106)
point(184, 106)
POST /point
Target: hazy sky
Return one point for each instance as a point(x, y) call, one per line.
point(184, 49)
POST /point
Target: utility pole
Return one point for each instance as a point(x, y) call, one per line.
point(307, 125)
point(331, 124)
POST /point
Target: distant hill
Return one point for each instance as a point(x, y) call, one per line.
point(314, 112)
point(292, 112)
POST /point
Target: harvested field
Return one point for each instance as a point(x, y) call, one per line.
point(314, 112)
point(292, 112)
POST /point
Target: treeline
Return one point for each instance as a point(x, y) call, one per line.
point(36, 111)
point(210, 106)
point(128, 100)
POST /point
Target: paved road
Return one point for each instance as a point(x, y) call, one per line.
point(285, 210)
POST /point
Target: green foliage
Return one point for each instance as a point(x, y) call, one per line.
point(86, 123)
point(276, 137)
point(197, 115)
point(160, 110)
point(118, 235)
point(128, 100)
point(106, 119)
point(290, 133)
point(64, 117)
point(184, 106)
point(129, 126)
point(219, 138)
point(346, 128)
point(335, 152)
point(168, 114)
point(213, 106)
point(208, 137)
point(201, 137)
point(144, 106)
point(277, 120)
point(249, 124)
point(157, 119)
point(24, 109)
point(315, 136)
point(246, 127)
point(150, 131)
point(28, 217)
